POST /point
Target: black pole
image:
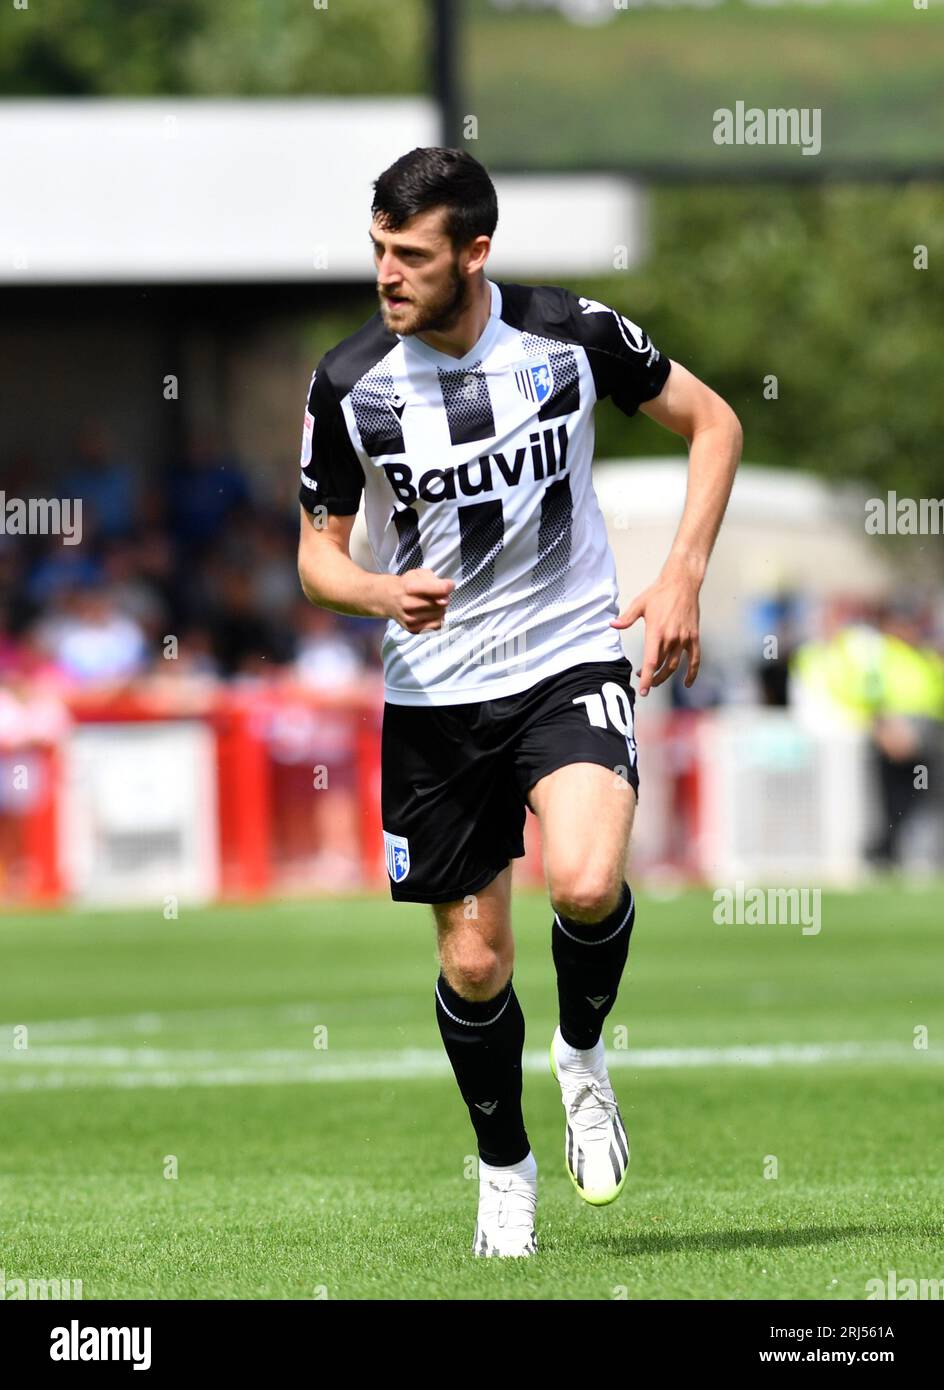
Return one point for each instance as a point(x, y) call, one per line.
point(445, 21)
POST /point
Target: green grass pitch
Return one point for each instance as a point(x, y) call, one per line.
point(284, 1062)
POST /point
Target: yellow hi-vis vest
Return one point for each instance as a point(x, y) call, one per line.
point(912, 680)
point(866, 674)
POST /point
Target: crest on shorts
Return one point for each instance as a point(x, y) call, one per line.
point(536, 382)
point(397, 854)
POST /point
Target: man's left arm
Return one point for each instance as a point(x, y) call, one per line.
point(669, 607)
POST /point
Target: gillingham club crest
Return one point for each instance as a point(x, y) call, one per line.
point(397, 853)
point(535, 382)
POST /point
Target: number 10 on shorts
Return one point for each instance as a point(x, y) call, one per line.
point(611, 706)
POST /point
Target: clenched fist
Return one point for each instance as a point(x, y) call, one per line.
point(418, 600)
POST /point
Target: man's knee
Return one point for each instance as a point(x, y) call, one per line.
point(476, 956)
point(475, 968)
point(583, 893)
point(478, 974)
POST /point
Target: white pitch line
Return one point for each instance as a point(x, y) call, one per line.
point(107, 1025)
point(118, 1068)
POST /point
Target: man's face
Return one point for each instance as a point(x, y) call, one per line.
point(420, 278)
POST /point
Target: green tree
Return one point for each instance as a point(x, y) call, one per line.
point(817, 287)
point(208, 48)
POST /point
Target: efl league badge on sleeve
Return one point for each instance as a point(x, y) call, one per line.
point(306, 437)
point(397, 853)
point(536, 382)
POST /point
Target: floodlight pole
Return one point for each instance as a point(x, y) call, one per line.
point(445, 21)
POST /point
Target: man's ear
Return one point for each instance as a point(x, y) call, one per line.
point(477, 253)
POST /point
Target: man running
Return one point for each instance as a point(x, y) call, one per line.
point(463, 413)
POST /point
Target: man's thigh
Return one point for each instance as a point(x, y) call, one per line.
point(586, 816)
point(576, 764)
point(453, 815)
point(581, 715)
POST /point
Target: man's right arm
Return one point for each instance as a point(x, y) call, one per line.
point(331, 579)
point(332, 483)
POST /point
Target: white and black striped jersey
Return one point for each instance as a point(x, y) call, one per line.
point(478, 468)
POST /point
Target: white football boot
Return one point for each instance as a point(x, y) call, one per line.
point(507, 1201)
point(596, 1146)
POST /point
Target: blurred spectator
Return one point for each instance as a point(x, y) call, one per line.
point(908, 727)
point(773, 621)
point(183, 676)
point(91, 640)
point(189, 655)
point(195, 559)
point(326, 657)
point(10, 646)
point(204, 491)
point(882, 676)
point(324, 739)
point(274, 566)
point(834, 680)
point(156, 564)
point(58, 569)
point(244, 637)
point(105, 484)
point(132, 590)
point(710, 690)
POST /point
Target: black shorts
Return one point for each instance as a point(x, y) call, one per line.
point(455, 778)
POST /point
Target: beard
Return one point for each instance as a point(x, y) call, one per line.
point(436, 315)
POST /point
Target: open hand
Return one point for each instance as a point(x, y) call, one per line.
point(670, 610)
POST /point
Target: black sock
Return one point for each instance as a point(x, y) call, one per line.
point(589, 959)
point(484, 1041)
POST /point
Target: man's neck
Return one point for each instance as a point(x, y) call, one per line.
point(469, 326)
